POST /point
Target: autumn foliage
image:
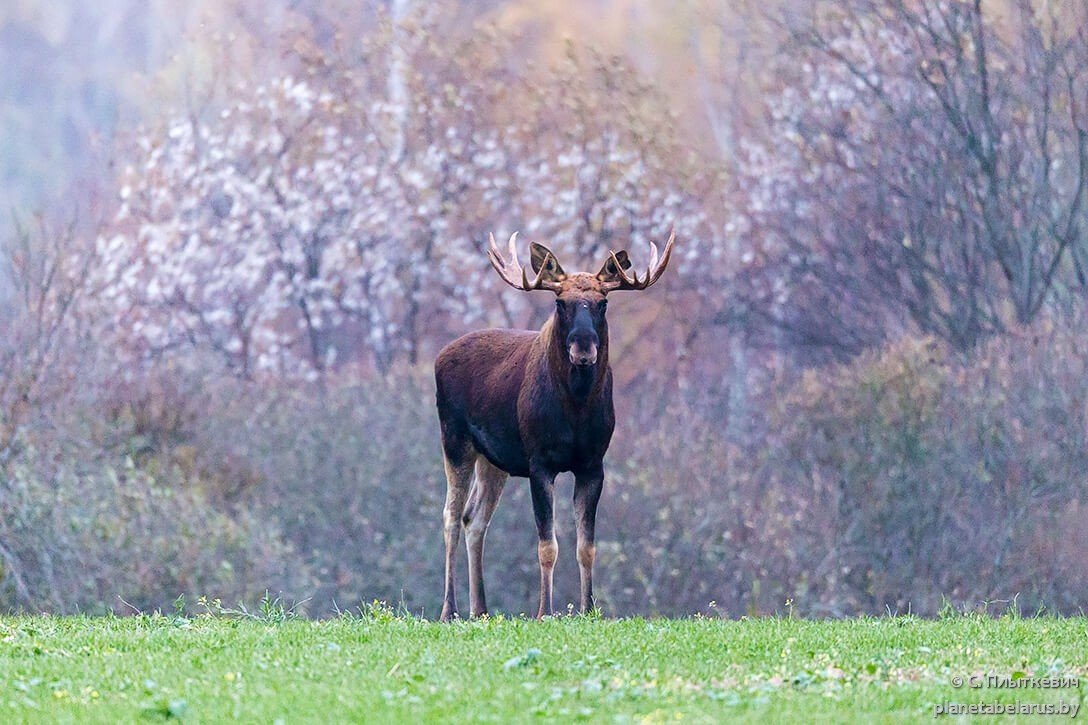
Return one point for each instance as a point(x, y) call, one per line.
point(860, 387)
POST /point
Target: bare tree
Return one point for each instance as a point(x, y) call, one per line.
point(46, 269)
point(926, 166)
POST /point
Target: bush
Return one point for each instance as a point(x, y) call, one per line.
point(350, 473)
point(924, 476)
point(905, 477)
point(80, 538)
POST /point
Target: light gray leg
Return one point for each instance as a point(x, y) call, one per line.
point(485, 497)
point(458, 481)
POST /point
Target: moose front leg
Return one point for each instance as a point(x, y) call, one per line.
point(542, 488)
point(587, 492)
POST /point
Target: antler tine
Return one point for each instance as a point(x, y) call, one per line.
point(511, 269)
point(653, 271)
point(506, 268)
point(658, 267)
point(513, 248)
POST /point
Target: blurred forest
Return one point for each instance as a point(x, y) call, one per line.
point(239, 232)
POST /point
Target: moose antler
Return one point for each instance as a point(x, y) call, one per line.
point(620, 279)
point(515, 275)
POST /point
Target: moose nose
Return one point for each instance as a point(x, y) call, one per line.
point(583, 355)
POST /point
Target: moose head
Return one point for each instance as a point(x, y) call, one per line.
point(580, 298)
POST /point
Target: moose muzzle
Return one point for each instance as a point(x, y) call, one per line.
point(583, 356)
point(582, 341)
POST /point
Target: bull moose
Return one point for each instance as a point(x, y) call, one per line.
point(532, 404)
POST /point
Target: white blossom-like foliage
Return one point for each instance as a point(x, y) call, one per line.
point(341, 218)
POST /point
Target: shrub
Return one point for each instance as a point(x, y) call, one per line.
point(907, 476)
point(351, 474)
point(926, 476)
point(85, 537)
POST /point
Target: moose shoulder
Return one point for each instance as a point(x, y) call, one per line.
point(532, 404)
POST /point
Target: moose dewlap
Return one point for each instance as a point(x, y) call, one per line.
point(532, 404)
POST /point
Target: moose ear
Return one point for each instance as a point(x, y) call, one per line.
point(543, 258)
point(609, 271)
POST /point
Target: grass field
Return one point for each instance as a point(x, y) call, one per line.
point(382, 668)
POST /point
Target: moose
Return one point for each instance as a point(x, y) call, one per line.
point(532, 404)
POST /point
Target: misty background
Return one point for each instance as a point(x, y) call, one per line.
point(235, 235)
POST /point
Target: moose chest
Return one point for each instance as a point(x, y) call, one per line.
point(561, 436)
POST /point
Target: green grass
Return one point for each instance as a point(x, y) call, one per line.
point(268, 666)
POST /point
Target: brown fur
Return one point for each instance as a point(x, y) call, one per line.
point(531, 404)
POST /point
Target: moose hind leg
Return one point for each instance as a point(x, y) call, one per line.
point(485, 497)
point(458, 481)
